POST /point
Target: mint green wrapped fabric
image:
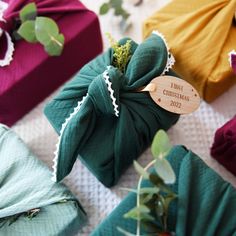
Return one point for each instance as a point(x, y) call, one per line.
point(102, 118)
point(206, 204)
point(25, 184)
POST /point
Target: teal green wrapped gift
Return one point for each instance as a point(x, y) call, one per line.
point(206, 204)
point(101, 117)
point(31, 204)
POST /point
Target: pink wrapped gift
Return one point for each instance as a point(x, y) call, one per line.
point(32, 75)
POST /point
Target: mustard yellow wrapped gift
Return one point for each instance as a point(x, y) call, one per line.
point(200, 34)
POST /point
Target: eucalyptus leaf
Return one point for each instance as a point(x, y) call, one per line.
point(137, 211)
point(143, 209)
point(29, 12)
point(104, 8)
point(125, 15)
point(27, 31)
point(46, 30)
point(133, 213)
point(165, 171)
point(160, 145)
point(116, 3)
point(146, 198)
point(119, 11)
point(141, 170)
point(146, 217)
point(156, 180)
point(55, 46)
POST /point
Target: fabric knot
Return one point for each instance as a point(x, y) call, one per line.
point(104, 91)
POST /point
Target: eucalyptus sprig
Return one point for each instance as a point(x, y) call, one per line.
point(30, 214)
point(12, 219)
point(40, 29)
point(117, 5)
point(121, 54)
point(153, 202)
point(119, 10)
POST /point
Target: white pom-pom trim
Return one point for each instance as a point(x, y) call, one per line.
point(170, 58)
point(10, 49)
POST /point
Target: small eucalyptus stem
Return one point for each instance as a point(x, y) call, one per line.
point(56, 41)
point(138, 198)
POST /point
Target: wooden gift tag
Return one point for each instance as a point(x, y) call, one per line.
point(173, 94)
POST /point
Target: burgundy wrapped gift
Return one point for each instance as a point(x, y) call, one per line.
point(32, 75)
point(224, 146)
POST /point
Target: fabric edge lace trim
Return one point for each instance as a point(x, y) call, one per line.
point(111, 91)
point(67, 120)
point(10, 46)
point(76, 110)
point(10, 49)
point(170, 59)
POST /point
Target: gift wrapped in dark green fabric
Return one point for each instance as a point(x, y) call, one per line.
point(26, 188)
point(103, 119)
point(206, 204)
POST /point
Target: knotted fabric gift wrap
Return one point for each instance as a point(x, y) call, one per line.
point(200, 33)
point(32, 74)
point(206, 204)
point(102, 118)
point(25, 184)
point(224, 146)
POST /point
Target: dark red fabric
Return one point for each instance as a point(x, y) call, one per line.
point(33, 75)
point(3, 47)
point(233, 61)
point(224, 146)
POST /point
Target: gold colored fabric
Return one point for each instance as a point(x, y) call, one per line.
point(200, 34)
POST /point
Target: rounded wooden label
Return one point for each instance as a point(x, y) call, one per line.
point(173, 94)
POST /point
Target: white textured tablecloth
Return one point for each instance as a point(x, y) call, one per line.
point(195, 131)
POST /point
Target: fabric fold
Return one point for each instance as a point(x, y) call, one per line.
point(25, 184)
point(205, 204)
point(114, 123)
point(200, 34)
